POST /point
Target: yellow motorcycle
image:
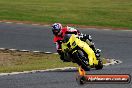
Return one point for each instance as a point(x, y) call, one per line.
point(79, 52)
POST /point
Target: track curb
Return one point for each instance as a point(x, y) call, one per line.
point(48, 25)
point(23, 50)
point(109, 62)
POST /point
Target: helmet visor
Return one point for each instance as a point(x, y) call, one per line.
point(55, 32)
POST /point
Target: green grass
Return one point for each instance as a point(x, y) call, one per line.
point(27, 61)
point(18, 61)
point(108, 13)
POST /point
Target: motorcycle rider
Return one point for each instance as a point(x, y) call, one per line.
point(59, 32)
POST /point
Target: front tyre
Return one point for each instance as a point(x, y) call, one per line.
point(82, 60)
point(100, 65)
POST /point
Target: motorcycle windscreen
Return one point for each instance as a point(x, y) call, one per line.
point(66, 38)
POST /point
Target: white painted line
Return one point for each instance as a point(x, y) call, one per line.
point(36, 51)
point(13, 49)
point(35, 24)
point(8, 22)
point(2, 49)
point(24, 50)
point(34, 71)
point(62, 69)
point(48, 52)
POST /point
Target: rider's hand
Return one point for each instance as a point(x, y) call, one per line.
point(80, 36)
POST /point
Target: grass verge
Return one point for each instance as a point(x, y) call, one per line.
point(110, 13)
point(26, 61)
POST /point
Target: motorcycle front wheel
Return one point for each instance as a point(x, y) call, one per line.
point(82, 60)
point(100, 65)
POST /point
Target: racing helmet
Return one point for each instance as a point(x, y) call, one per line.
point(56, 28)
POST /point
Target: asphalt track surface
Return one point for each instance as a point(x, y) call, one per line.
point(114, 44)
